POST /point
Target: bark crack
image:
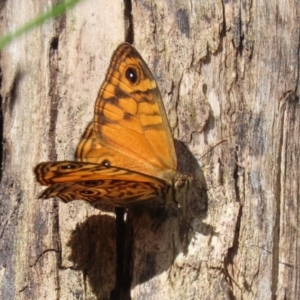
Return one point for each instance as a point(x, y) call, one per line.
point(54, 94)
point(124, 236)
point(232, 252)
point(129, 32)
point(276, 231)
point(1, 127)
point(124, 241)
point(297, 77)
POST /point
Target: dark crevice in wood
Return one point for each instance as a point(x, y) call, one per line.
point(1, 127)
point(123, 256)
point(298, 68)
point(241, 46)
point(183, 22)
point(277, 217)
point(232, 252)
point(236, 177)
point(24, 288)
point(124, 229)
point(237, 27)
point(223, 29)
point(54, 95)
point(54, 92)
point(56, 235)
point(55, 98)
point(54, 44)
point(129, 32)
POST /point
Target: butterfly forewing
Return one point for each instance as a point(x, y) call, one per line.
point(129, 113)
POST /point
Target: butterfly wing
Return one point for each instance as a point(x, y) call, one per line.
point(127, 155)
point(113, 192)
point(130, 117)
point(96, 183)
point(90, 149)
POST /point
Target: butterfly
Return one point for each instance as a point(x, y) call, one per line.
point(126, 155)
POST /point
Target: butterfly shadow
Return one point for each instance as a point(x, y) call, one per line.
point(117, 254)
point(93, 252)
point(161, 234)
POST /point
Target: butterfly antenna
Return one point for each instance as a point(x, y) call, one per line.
point(213, 148)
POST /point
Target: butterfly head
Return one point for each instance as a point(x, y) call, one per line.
point(182, 182)
point(180, 189)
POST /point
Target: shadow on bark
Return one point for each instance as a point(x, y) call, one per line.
point(116, 255)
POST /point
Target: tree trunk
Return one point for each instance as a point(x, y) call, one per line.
point(226, 71)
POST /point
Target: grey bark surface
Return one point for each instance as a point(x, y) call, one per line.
point(226, 71)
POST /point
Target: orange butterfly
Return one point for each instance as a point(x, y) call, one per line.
point(126, 155)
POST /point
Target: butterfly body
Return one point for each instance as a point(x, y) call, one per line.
point(126, 155)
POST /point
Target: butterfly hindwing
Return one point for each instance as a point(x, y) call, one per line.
point(116, 192)
point(71, 180)
point(49, 173)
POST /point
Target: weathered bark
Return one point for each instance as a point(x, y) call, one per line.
point(239, 59)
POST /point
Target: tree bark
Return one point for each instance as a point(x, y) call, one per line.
point(226, 71)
